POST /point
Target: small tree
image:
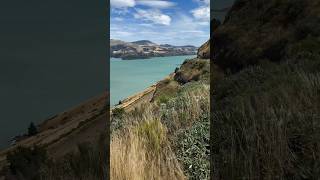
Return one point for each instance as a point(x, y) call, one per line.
point(176, 70)
point(32, 129)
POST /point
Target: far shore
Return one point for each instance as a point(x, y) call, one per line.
point(150, 57)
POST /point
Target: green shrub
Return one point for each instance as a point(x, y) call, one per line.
point(118, 112)
point(191, 146)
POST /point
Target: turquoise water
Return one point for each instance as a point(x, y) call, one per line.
point(128, 77)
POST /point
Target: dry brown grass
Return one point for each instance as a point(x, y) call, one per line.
point(188, 107)
point(134, 155)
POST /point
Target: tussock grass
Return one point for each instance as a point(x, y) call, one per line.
point(143, 153)
point(143, 145)
point(192, 102)
point(267, 123)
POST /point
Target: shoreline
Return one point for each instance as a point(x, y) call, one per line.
point(134, 100)
point(151, 57)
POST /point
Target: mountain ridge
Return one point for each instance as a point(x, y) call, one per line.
point(144, 49)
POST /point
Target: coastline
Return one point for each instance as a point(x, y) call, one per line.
point(134, 100)
point(128, 58)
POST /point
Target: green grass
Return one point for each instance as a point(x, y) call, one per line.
point(153, 133)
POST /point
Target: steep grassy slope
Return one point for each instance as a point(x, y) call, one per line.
point(266, 115)
point(67, 146)
point(161, 138)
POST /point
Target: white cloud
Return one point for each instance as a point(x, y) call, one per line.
point(117, 19)
point(156, 3)
point(203, 1)
point(160, 4)
point(153, 15)
point(201, 13)
point(176, 27)
point(122, 3)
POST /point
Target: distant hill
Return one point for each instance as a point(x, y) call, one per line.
point(144, 42)
point(147, 49)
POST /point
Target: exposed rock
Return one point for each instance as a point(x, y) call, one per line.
point(204, 51)
point(192, 70)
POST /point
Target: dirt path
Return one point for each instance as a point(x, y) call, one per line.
point(136, 100)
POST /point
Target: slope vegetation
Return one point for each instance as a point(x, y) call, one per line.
point(266, 115)
point(160, 138)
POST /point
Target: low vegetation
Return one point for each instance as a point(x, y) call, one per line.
point(32, 129)
point(26, 162)
point(266, 115)
point(145, 145)
point(267, 123)
point(87, 163)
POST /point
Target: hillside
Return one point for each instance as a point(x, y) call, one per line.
point(266, 106)
point(59, 137)
point(146, 49)
point(154, 133)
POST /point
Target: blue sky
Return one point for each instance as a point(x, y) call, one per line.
point(176, 22)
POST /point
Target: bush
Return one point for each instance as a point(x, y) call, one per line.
point(191, 146)
point(118, 112)
point(32, 129)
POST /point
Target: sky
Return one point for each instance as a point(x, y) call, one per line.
point(175, 22)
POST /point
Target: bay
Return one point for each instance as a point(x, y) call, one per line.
point(128, 77)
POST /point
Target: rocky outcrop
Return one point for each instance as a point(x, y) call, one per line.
point(204, 51)
point(192, 70)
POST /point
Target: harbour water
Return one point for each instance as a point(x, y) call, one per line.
point(128, 77)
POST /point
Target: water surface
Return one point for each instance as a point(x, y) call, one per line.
point(131, 76)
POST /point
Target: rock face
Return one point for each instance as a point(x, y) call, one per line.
point(192, 70)
point(146, 49)
point(204, 51)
